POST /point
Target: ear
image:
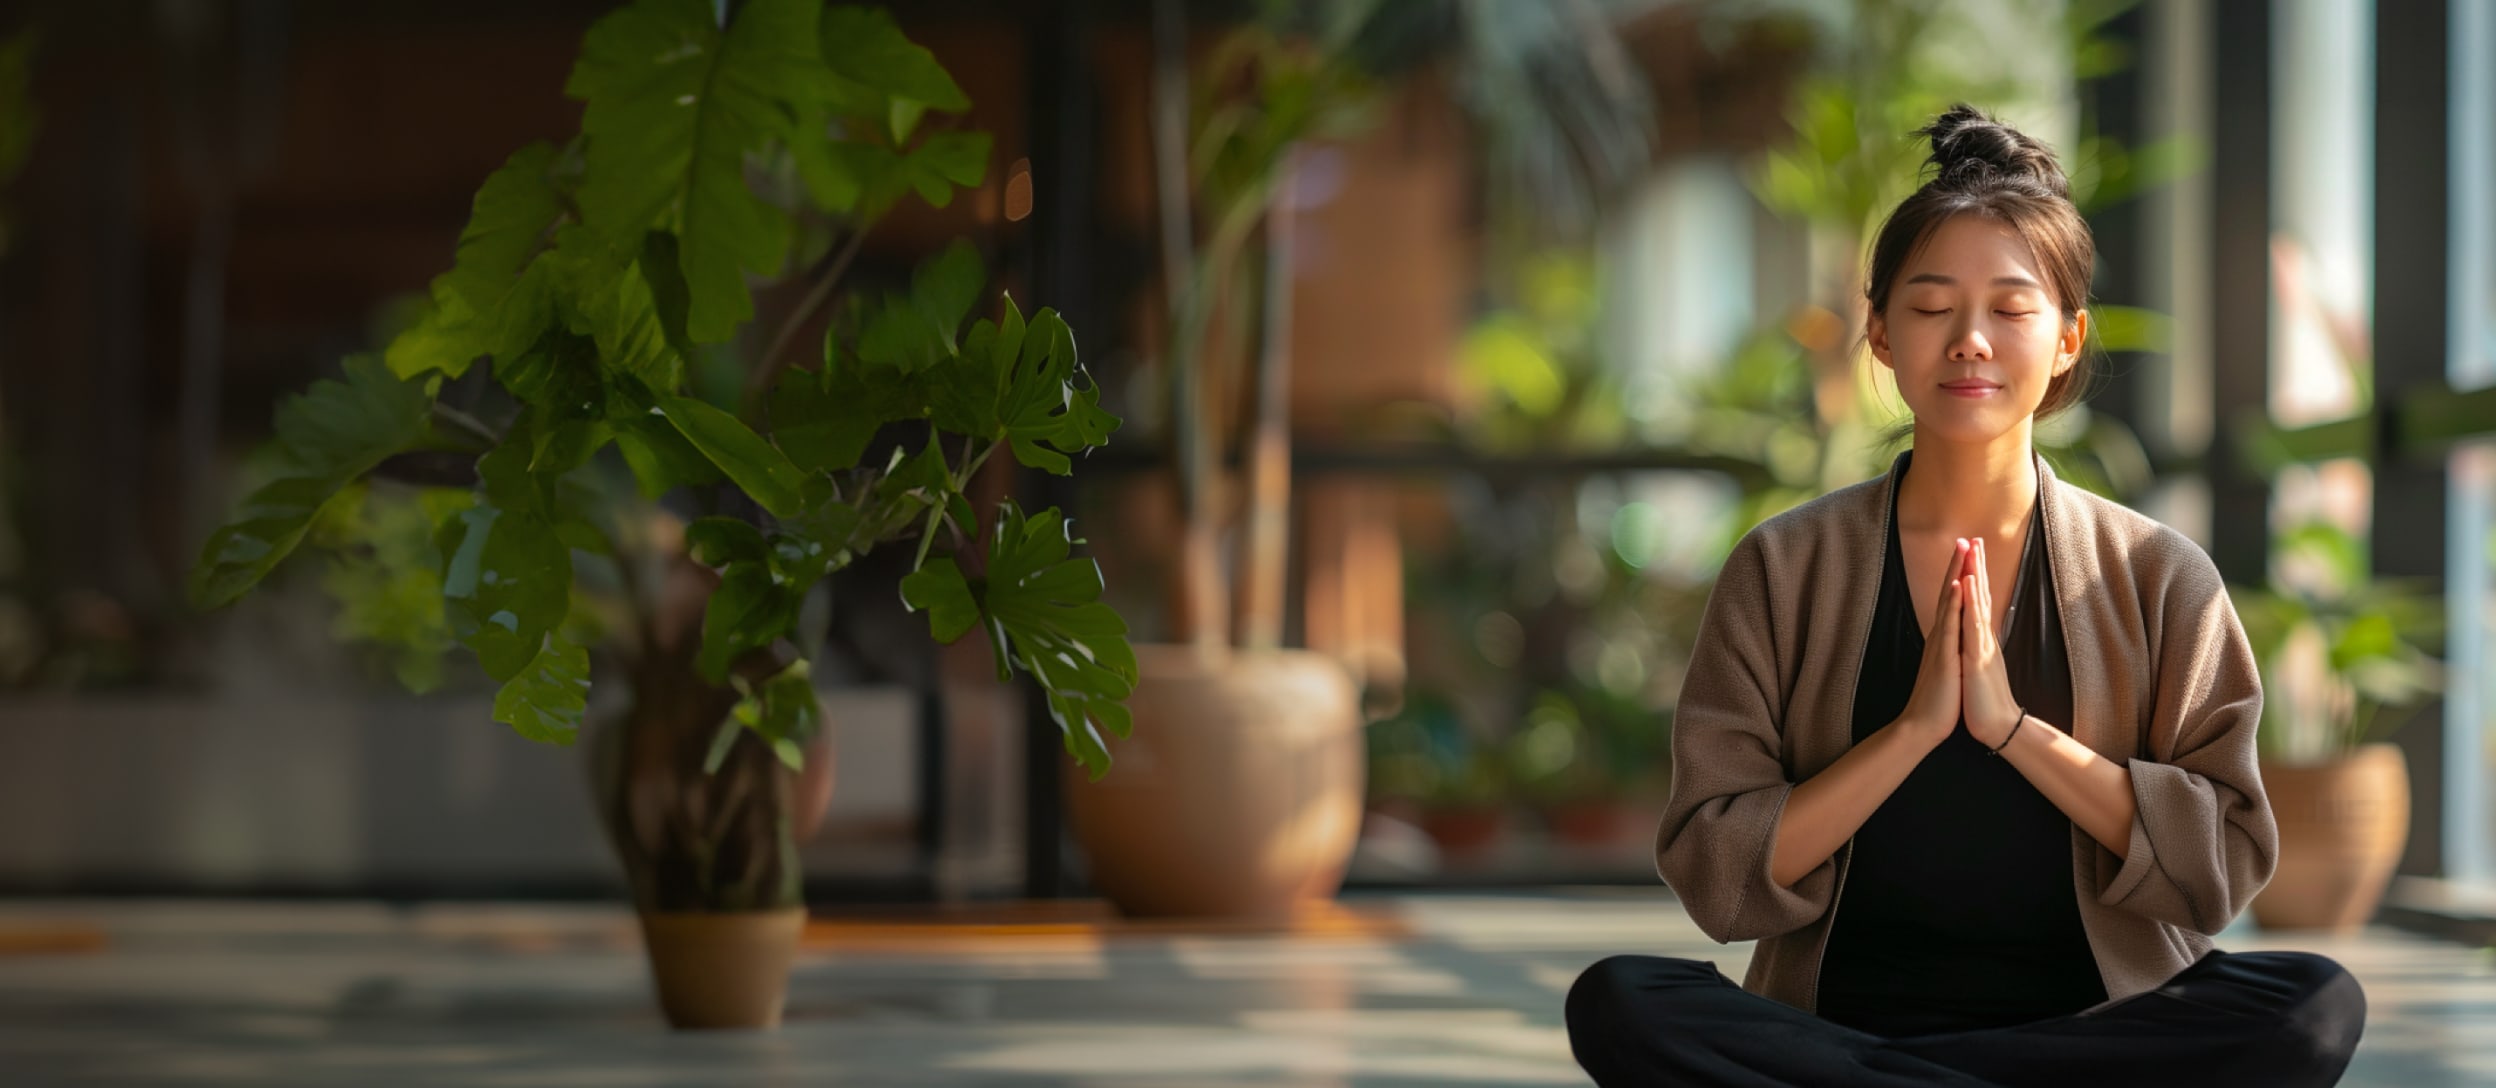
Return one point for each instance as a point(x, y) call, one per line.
point(2067, 347)
point(1876, 334)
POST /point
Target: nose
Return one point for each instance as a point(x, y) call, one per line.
point(1970, 346)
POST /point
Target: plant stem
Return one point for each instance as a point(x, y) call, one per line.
point(976, 462)
point(1200, 602)
point(769, 367)
point(927, 533)
point(636, 598)
point(475, 427)
point(1260, 610)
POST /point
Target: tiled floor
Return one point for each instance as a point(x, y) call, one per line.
point(293, 994)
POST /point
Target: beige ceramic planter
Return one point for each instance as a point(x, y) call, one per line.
point(722, 970)
point(2342, 826)
point(1239, 794)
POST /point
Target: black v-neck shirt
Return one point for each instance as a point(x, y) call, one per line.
point(1959, 910)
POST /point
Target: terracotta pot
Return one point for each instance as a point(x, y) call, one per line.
point(727, 969)
point(1238, 795)
point(2342, 826)
point(1464, 831)
point(1597, 823)
point(810, 796)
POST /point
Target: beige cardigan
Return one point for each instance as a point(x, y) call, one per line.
point(2161, 678)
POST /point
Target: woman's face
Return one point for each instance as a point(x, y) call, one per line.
point(1972, 332)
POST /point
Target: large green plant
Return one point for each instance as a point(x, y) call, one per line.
point(607, 285)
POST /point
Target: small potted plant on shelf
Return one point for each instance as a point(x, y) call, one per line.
point(1595, 765)
point(1428, 769)
point(588, 454)
point(2342, 662)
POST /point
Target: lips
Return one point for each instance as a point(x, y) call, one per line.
point(1970, 386)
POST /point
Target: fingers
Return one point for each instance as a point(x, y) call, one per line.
point(1976, 590)
point(1953, 616)
point(1958, 566)
point(1985, 582)
point(1981, 602)
point(1974, 581)
point(1968, 615)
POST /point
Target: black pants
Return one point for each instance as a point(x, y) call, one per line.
point(2274, 1019)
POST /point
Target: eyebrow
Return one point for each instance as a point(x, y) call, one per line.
point(1998, 281)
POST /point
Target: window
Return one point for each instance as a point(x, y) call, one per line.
point(2470, 698)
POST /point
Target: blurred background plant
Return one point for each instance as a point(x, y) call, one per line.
point(1532, 365)
point(1563, 120)
point(2344, 655)
point(1801, 399)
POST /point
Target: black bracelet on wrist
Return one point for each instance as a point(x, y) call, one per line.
point(2006, 737)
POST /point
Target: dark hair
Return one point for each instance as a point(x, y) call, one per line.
point(1984, 167)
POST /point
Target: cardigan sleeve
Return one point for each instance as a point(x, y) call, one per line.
point(1729, 778)
point(2203, 841)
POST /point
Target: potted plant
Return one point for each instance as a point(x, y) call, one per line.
point(2342, 661)
point(637, 488)
point(1255, 751)
point(1595, 765)
point(1429, 769)
point(1249, 798)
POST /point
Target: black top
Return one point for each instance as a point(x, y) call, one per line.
point(1958, 911)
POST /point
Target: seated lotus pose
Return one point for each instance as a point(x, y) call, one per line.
point(1968, 750)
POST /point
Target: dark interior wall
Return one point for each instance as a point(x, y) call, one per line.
point(240, 191)
point(256, 185)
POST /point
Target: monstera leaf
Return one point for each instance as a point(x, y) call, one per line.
point(878, 85)
point(750, 610)
point(546, 700)
point(913, 332)
point(824, 418)
point(878, 73)
point(506, 583)
point(746, 457)
point(494, 300)
point(1042, 611)
point(675, 105)
point(1002, 381)
point(327, 437)
point(1041, 404)
point(606, 294)
point(386, 575)
point(782, 711)
point(868, 179)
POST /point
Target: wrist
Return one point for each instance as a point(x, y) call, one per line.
point(2001, 744)
point(1924, 731)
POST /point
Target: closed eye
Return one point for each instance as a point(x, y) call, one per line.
point(2016, 313)
point(1931, 313)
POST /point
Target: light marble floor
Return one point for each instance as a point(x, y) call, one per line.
point(337, 994)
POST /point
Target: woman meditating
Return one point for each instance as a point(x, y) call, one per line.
point(1967, 750)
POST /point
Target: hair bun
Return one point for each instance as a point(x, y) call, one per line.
point(1969, 147)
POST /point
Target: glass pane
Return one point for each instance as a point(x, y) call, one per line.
point(2474, 211)
point(2468, 705)
point(2322, 142)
